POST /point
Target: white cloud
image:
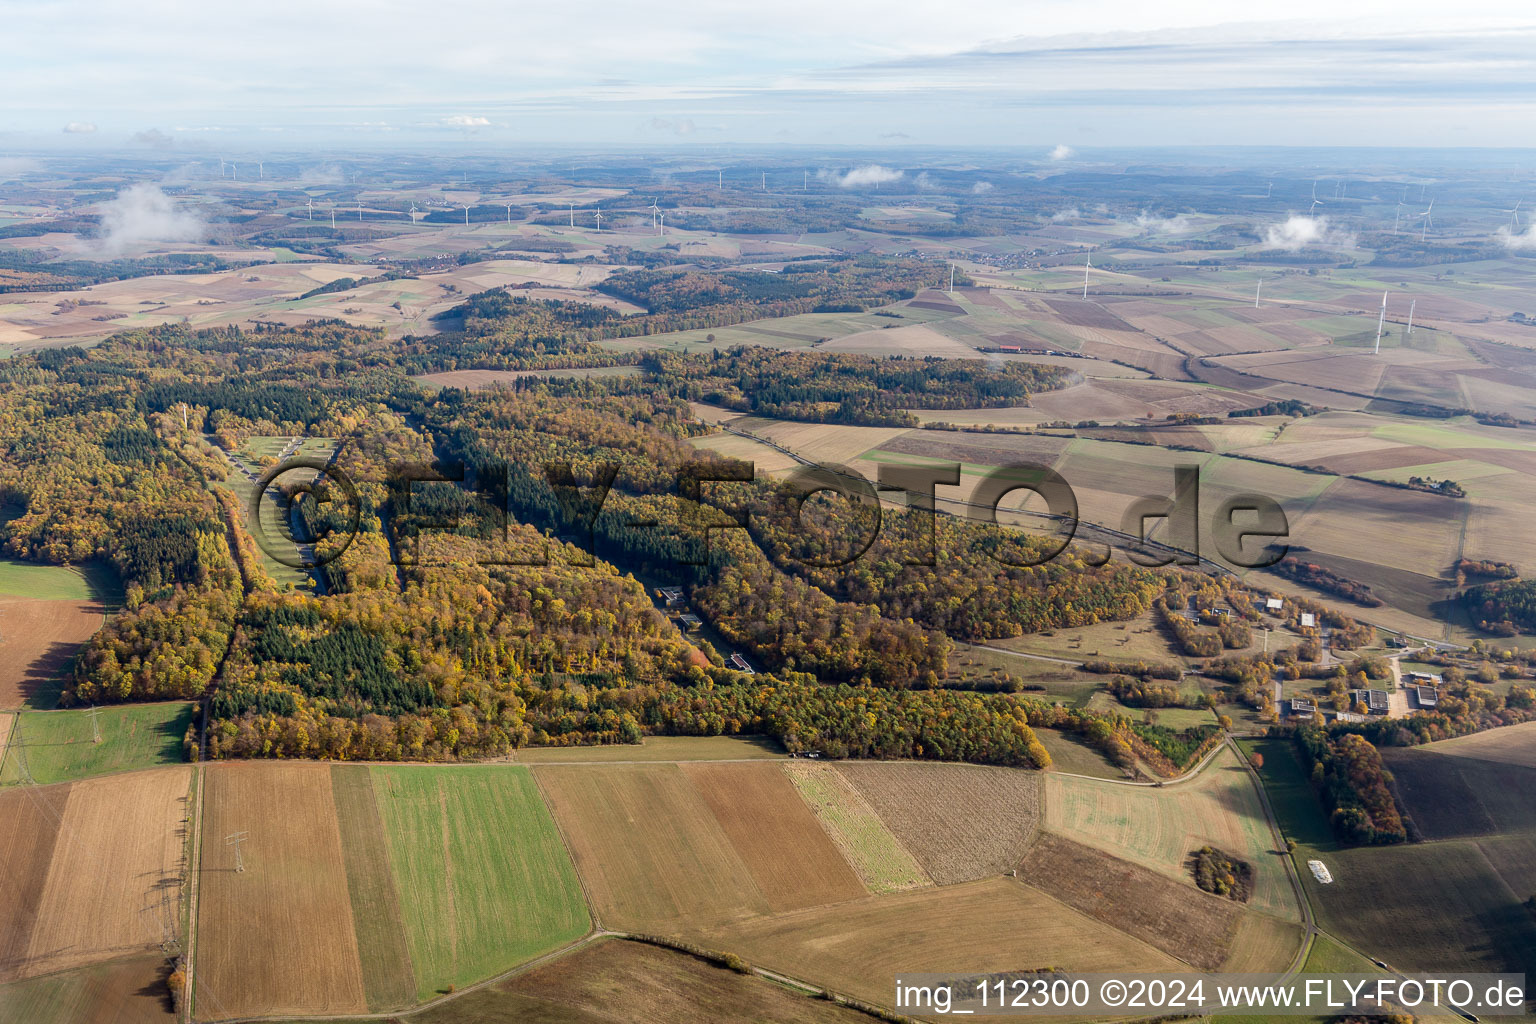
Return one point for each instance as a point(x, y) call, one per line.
point(143, 213)
point(467, 121)
point(1298, 232)
point(981, 188)
point(325, 174)
point(1070, 213)
point(1516, 241)
point(1152, 224)
point(79, 128)
point(1063, 152)
point(869, 174)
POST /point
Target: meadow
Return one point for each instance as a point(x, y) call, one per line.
point(56, 746)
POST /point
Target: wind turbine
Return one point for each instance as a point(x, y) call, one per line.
point(719, 180)
point(599, 215)
point(1256, 292)
point(654, 211)
point(466, 216)
point(1514, 217)
point(509, 213)
point(261, 170)
point(413, 211)
point(1411, 307)
point(1381, 322)
point(951, 277)
point(333, 218)
point(1271, 190)
point(1315, 204)
point(765, 181)
point(805, 181)
point(359, 211)
point(1397, 218)
point(1087, 265)
point(1428, 220)
point(663, 223)
point(221, 167)
point(573, 215)
point(234, 172)
point(311, 209)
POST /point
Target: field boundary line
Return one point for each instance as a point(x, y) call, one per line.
point(194, 868)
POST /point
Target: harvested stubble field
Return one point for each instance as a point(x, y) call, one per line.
point(1262, 945)
point(996, 924)
point(961, 822)
point(276, 938)
point(483, 880)
point(790, 857)
point(883, 863)
point(1175, 917)
point(32, 816)
point(1514, 744)
point(114, 880)
point(656, 985)
point(649, 850)
point(1159, 826)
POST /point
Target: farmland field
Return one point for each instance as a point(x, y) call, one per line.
point(656, 985)
point(883, 863)
point(1439, 905)
point(648, 848)
point(114, 881)
point(483, 880)
point(60, 745)
point(1512, 744)
point(996, 924)
point(1193, 926)
point(38, 640)
point(276, 938)
point(657, 748)
point(127, 991)
point(388, 976)
point(27, 843)
point(790, 858)
point(1158, 827)
point(961, 822)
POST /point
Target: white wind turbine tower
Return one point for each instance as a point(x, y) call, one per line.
point(765, 181)
point(234, 172)
point(333, 218)
point(509, 213)
point(573, 215)
point(951, 277)
point(1256, 292)
point(359, 211)
point(719, 180)
point(261, 170)
point(221, 167)
point(599, 215)
point(413, 211)
point(1428, 220)
point(1397, 218)
point(1411, 306)
point(1381, 322)
point(1315, 204)
point(466, 216)
point(805, 181)
point(1087, 265)
point(663, 224)
point(1514, 217)
point(1271, 190)
point(654, 210)
point(311, 204)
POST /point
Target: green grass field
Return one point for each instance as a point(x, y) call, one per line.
point(388, 980)
point(90, 581)
point(60, 746)
point(484, 881)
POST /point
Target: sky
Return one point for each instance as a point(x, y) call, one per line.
point(488, 74)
